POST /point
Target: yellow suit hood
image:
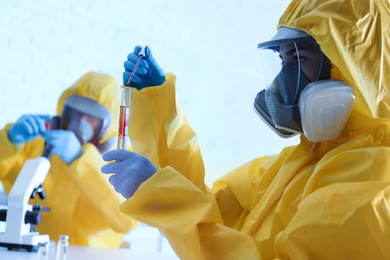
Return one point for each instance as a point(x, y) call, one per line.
point(102, 88)
point(324, 200)
point(353, 34)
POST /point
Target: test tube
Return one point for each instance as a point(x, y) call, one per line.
point(124, 118)
point(125, 106)
point(62, 248)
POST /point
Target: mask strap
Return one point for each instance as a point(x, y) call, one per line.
point(324, 70)
point(299, 73)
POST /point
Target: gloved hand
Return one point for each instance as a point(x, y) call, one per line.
point(148, 72)
point(27, 128)
point(65, 143)
point(131, 170)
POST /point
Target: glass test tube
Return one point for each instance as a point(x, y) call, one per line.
point(124, 118)
point(62, 248)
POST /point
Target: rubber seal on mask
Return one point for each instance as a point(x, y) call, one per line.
point(325, 107)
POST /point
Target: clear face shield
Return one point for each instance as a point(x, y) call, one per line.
point(86, 118)
point(290, 63)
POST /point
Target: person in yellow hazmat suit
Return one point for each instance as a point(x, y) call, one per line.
point(83, 204)
point(326, 198)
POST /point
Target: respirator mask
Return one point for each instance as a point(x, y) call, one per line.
point(299, 96)
point(86, 118)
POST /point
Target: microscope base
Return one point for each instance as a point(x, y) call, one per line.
point(29, 242)
point(29, 248)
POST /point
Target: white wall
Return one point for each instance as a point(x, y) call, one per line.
point(46, 45)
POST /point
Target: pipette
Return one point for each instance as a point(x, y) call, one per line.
point(141, 54)
point(125, 106)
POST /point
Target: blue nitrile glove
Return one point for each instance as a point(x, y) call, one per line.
point(65, 143)
point(130, 170)
point(148, 73)
point(27, 128)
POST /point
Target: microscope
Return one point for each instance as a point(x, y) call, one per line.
point(19, 216)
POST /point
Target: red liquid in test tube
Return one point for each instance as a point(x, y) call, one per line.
point(123, 126)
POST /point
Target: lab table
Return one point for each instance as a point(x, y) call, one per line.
point(83, 253)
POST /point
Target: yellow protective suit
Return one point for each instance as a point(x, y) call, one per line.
point(83, 203)
point(328, 200)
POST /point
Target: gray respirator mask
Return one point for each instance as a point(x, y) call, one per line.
point(297, 73)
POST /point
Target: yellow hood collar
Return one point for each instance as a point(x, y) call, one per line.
point(353, 34)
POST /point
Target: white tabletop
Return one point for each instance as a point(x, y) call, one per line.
point(83, 253)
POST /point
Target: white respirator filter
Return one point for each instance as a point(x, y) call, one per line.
point(325, 107)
